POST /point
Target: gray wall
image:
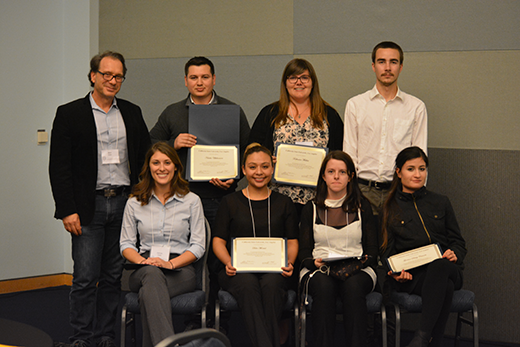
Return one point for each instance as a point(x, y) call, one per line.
point(44, 55)
point(461, 60)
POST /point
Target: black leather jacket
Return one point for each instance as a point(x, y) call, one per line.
point(423, 218)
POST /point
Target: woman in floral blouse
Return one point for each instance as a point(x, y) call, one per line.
point(302, 117)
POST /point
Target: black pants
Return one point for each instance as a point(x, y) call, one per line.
point(324, 291)
point(261, 298)
point(435, 283)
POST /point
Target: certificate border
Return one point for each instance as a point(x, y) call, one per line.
point(390, 266)
point(189, 176)
point(258, 271)
point(293, 181)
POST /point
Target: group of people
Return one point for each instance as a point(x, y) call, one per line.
point(124, 199)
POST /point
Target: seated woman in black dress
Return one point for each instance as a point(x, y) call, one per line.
point(414, 217)
point(338, 224)
point(256, 211)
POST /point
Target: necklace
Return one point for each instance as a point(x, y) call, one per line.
point(299, 114)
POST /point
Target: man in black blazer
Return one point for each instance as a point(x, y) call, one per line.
point(98, 145)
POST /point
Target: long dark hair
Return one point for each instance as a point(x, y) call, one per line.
point(390, 206)
point(178, 185)
point(318, 105)
point(353, 200)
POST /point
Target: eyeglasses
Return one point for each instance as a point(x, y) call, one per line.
point(303, 79)
point(108, 77)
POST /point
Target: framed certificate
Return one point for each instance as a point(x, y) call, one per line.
point(298, 165)
point(259, 254)
point(207, 162)
point(414, 258)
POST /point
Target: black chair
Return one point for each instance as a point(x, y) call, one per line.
point(463, 301)
point(374, 305)
point(185, 304)
point(196, 338)
point(226, 302)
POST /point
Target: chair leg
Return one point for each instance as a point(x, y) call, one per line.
point(203, 317)
point(397, 311)
point(131, 322)
point(303, 323)
point(217, 315)
point(473, 322)
point(123, 326)
point(475, 326)
point(296, 324)
point(383, 326)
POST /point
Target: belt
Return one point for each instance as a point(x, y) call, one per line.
point(114, 191)
point(376, 185)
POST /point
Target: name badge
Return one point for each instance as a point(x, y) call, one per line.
point(162, 252)
point(304, 143)
point(110, 156)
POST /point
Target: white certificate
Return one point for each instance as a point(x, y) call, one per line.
point(298, 165)
point(259, 254)
point(414, 258)
point(207, 162)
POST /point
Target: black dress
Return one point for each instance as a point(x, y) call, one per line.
point(260, 297)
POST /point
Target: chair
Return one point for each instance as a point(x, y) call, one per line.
point(374, 305)
point(212, 338)
point(227, 302)
point(463, 301)
point(184, 304)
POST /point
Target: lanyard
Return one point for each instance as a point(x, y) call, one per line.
point(268, 211)
point(108, 132)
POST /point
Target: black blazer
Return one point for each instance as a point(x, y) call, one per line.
point(73, 162)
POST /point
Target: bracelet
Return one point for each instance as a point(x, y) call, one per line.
point(173, 267)
point(142, 261)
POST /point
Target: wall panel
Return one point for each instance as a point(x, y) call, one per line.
point(483, 188)
point(333, 26)
point(250, 81)
point(159, 28)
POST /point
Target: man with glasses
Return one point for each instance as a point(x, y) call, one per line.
point(380, 123)
point(98, 145)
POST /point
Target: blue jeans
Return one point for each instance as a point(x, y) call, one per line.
point(96, 283)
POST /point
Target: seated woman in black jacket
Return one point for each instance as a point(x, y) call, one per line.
point(338, 224)
point(414, 217)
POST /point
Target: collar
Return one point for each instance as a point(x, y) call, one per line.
point(335, 203)
point(95, 106)
point(170, 199)
point(375, 93)
point(407, 196)
point(189, 100)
